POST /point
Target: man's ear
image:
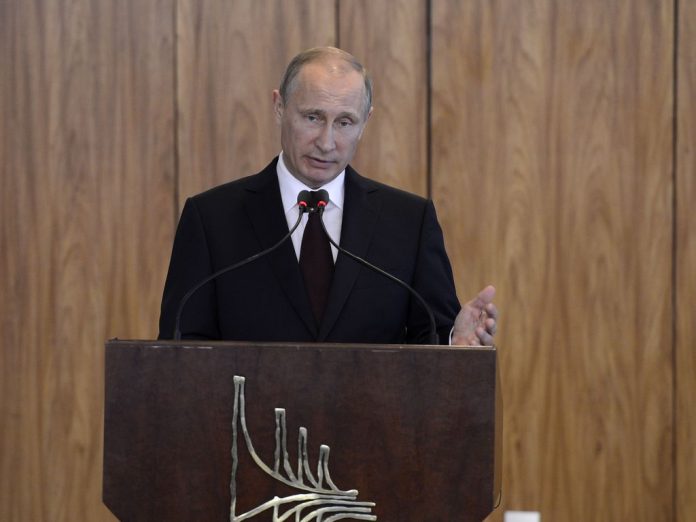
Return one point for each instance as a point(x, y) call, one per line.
point(278, 105)
point(369, 113)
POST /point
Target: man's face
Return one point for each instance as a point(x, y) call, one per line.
point(322, 121)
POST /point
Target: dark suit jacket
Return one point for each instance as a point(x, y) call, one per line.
point(266, 300)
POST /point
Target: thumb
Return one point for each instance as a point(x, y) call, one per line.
point(484, 297)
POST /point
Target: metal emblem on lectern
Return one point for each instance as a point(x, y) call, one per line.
point(318, 498)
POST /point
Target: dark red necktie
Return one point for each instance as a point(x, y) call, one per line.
point(316, 262)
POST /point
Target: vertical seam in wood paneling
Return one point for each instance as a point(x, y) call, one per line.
point(337, 24)
point(429, 99)
point(675, 251)
point(175, 106)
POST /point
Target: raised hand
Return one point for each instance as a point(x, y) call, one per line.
point(476, 323)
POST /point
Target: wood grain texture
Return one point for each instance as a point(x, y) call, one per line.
point(396, 419)
point(552, 173)
point(391, 39)
point(685, 262)
point(86, 97)
point(231, 55)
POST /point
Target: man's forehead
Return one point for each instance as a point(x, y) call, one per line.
point(327, 89)
point(331, 77)
point(329, 107)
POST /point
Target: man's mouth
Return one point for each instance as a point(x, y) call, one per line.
point(318, 162)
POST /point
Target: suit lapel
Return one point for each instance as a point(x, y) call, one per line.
point(359, 217)
point(265, 209)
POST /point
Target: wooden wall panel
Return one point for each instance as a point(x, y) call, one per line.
point(551, 168)
point(231, 55)
point(685, 287)
point(390, 39)
point(86, 208)
point(552, 172)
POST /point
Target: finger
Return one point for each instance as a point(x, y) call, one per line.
point(487, 294)
point(484, 338)
point(491, 310)
point(483, 298)
point(491, 326)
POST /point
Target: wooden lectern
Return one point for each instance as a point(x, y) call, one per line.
point(222, 431)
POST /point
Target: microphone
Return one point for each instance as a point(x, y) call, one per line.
point(323, 197)
point(313, 201)
point(304, 204)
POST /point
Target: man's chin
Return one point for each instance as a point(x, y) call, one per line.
point(317, 177)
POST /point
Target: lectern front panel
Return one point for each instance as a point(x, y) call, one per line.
point(245, 431)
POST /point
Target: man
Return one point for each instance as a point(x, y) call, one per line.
point(322, 107)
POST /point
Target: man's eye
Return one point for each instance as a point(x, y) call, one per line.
point(345, 123)
point(312, 117)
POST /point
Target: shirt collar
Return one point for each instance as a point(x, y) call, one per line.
point(290, 186)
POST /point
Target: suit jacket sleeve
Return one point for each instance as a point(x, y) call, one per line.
point(434, 281)
point(190, 263)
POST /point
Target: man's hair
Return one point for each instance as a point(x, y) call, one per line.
point(317, 54)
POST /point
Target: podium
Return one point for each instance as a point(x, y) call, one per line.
point(218, 431)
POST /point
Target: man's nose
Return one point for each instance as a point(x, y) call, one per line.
point(325, 141)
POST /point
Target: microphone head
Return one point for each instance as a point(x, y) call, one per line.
point(321, 199)
point(312, 201)
point(303, 200)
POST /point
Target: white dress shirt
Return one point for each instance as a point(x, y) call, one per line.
point(290, 187)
